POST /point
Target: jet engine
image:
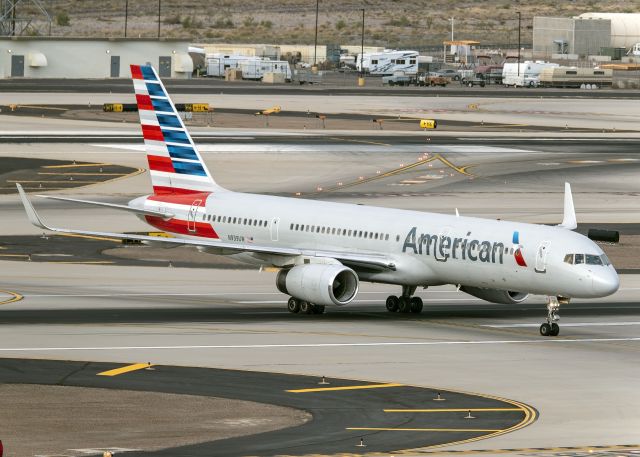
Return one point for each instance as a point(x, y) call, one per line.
point(319, 284)
point(505, 297)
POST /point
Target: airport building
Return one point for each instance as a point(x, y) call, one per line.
point(570, 36)
point(37, 57)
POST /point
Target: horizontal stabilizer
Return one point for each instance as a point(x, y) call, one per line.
point(144, 212)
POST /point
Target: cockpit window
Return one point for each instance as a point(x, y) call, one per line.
point(588, 259)
point(593, 259)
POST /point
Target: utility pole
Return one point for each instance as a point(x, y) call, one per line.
point(452, 21)
point(362, 48)
point(126, 16)
point(315, 43)
point(519, 17)
point(159, 9)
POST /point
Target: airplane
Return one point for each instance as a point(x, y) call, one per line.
point(324, 250)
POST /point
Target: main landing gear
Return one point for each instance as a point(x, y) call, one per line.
point(303, 307)
point(406, 303)
point(551, 328)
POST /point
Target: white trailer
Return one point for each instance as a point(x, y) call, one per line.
point(252, 67)
point(255, 69)
point(528, 76)
point(388, 62)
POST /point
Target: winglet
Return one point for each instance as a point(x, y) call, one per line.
point(28, 207)
point(569, 221)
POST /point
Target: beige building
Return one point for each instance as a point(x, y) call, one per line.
point(36, 57)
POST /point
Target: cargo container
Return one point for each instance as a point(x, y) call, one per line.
point(575, 77)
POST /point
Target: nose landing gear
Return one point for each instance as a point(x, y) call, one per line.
point(405, 303)
point(551, 328)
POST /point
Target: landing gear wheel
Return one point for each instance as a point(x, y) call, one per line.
point(416, 305)
point(405, 305)
point(318, 309)
point(545, 329)
point(393, 303)
point(555, 329)
point(306, 307)
point(293, 305)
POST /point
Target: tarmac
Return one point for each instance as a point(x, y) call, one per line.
point(581, 385)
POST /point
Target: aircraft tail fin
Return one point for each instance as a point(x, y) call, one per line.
point(175, 165)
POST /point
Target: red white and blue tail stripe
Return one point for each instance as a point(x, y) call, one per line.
point(175, 165)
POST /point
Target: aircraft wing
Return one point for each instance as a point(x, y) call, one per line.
point(363, 260)
point(165, 216)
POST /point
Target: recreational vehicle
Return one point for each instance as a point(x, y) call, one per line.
point(575, 77)
point(527, 76)
point(388, 62)
point(252, 67)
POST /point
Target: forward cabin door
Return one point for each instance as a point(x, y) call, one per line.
point(541, 257)
point(193, 213)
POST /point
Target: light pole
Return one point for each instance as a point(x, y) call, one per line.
point(126, 16)
point(159, 9)
point(452, 21)
point(519, 17)
point(315, 43)
point(362, 48)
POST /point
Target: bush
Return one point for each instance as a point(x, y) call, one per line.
point(173, 20)
point(266, 24)
point(224, 24)
point(62, 19)
point(340, 24)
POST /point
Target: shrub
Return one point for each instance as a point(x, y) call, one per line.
point(62, 19)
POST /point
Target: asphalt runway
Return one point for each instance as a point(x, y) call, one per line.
point(373, 87)
point(237, 320)
point(387, 417)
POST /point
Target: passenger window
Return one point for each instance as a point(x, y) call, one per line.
point(323, 229)
point(386, 237)
point(244, 221)
point(224, 219)
point(397, 237)
point(360, 234)
point(579, 259)
point(291, 227)
point(568, 259)
point(349, 232)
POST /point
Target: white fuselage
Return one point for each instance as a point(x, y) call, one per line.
point(427, 248)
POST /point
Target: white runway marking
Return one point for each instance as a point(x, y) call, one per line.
point(323, 345)
point(572, 324)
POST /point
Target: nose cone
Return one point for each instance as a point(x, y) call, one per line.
point(605, 282)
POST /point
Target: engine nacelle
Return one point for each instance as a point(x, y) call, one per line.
point(319, 284)
point(504, 297)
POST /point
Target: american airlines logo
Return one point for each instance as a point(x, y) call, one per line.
point(444, 247)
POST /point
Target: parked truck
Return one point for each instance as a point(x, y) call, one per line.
point(527, 75)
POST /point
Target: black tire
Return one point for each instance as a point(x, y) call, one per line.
point(293, 305)
point(391, 83)
point(456, 78)
point(405, 305)
point(555, 329)
point(416, 305)
point(433, 83)
point(545, 329)
point(393, 303)
point(306, 307)
point(481, 84)
point(318, 309)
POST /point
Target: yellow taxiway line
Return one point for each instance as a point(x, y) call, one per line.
point(77, 165)
point(125, 369)
point(14, 297)
point(383, 429)
point(328, 389)
point(454, 410)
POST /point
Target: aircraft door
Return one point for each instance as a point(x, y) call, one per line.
point(275, 222)
point(541, 257)
point(193, 213)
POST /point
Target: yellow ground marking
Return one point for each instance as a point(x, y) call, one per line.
point(84, 262)
point(54, 108)
point(454, 410)
point(14, 297)
point(57, 182)
point(462, 170)
point(382, 429)
point(546, 449)
point(79, 173)
point(77, 165)
point(125, 369)
point(327, 389)
point(360, 141)
point(100, 238)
